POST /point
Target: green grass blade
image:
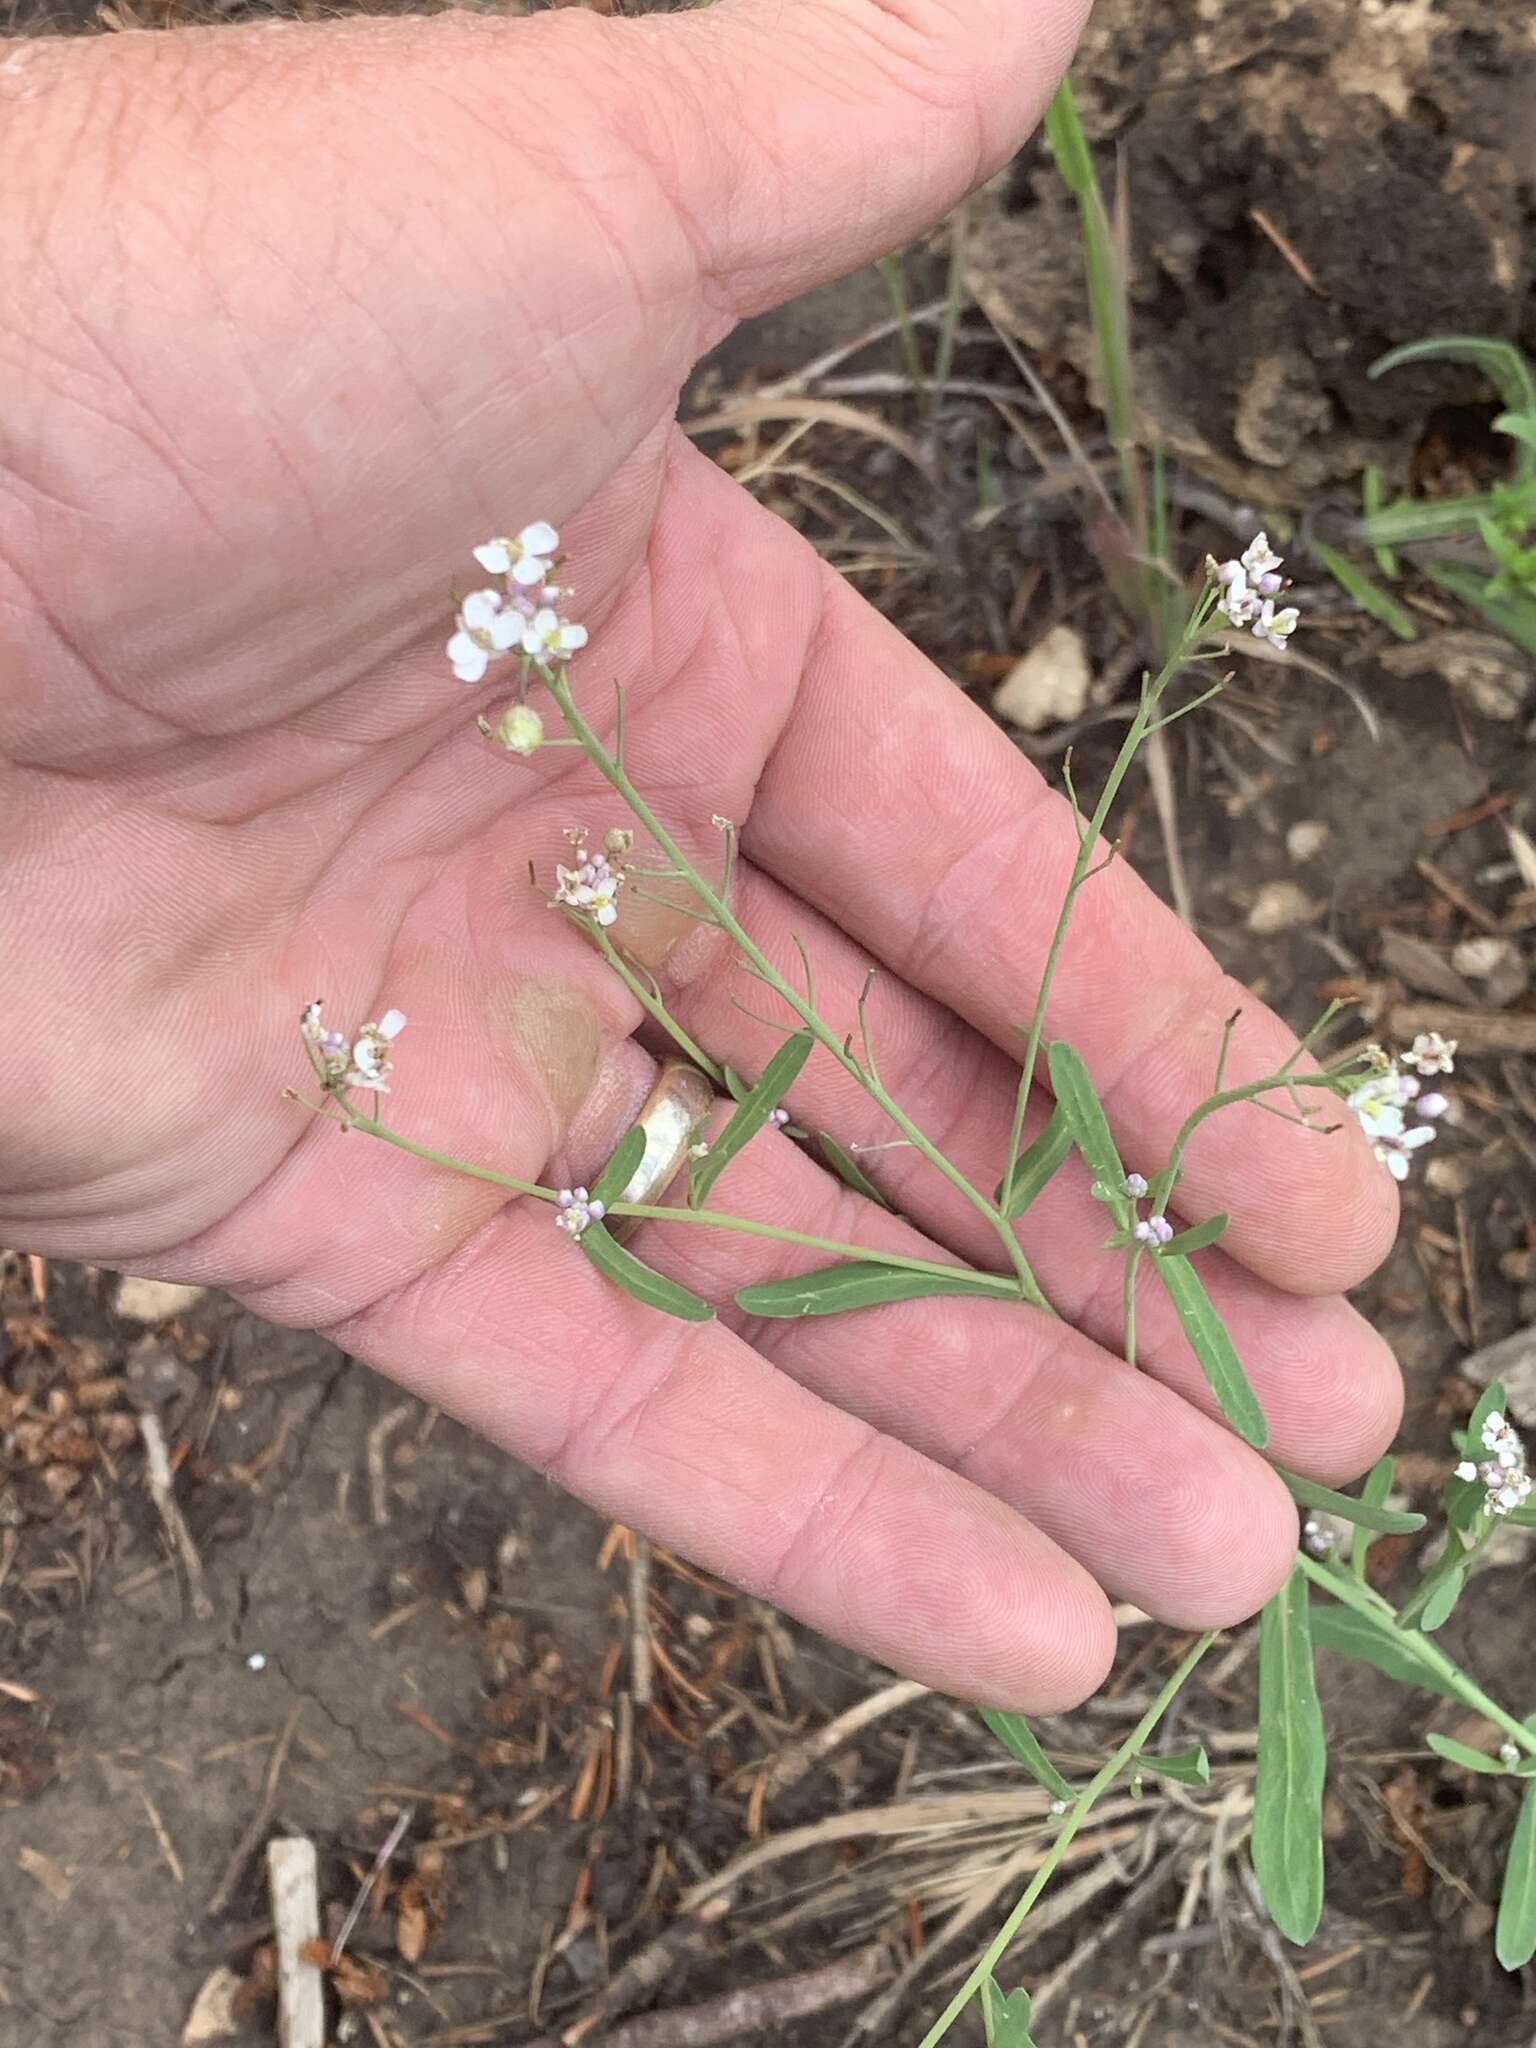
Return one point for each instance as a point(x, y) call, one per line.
point(1371, 502)
point(862, 1283)
point(1293, 1758)
point(1505, 367)
point(1512, 614)
point(641, 1282)
point(1368, 595)
point(1214, 1349)
point(1023, 1745)
point(752, 1112)
point(1036, 1165)
point(1365, 1513)
point(1514, 1938)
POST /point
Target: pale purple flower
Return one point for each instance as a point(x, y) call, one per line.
point(1261, 565)
point(1135, 1186)
point(1239, 603)
point(778, 1117)
point(591, 886)
point(1156, 1230)
point(576, 1209)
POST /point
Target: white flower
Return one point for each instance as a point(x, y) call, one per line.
point(1276, 626)
point(1431, 1054)
point(1466, 1469)
point(576, 1210)
point(521, 730)
point(487, 626)
point(591, 886)
point(548, 637)
point(525, 559)
point(1507, 1482)
point(1239, 604)
point(1395, 1152)
point(1261, 565)
point(1135, 1186)
point(371, 1062)
point(1509, 1754)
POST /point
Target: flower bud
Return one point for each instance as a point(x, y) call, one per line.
point(617, 842)
point(521, 730)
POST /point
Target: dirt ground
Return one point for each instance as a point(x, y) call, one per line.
point(375, 1615)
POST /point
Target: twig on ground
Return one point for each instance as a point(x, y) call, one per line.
point(1476, 1031)
point(799, 1758)
point(1165, 798)
point(640, 1620)
point(250, 1841)
point(294, 1876)
point(387, 1849)
point(162, 1490)
point(753, 2009)
point(378, 1475)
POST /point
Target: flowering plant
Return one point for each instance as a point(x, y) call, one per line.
point(1489, 1485)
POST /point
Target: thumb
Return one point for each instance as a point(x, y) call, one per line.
point(799, 142)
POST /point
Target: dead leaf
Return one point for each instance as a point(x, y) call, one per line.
point(410, 1922)
point(52, 1876)
point(214, 2015)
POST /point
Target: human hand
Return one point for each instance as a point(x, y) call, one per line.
point(296, 316)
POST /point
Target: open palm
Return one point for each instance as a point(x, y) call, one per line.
point(302, 315)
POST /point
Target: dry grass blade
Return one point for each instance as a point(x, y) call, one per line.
point(829, 412)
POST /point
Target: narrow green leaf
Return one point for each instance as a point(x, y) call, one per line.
point(1500, 362)
point(1364, 1513)
point(1069, 145)
point(1349, 1633)
point(1006, 2020)
point(1513, 615)
point(1078, 1101)
point(1023, 1745)
point(1196, 1238)
point(1368, 595)
point(1184, 1766)
point(1293, 1759)
point(739, 1088)
point(1514, 1938)
point(1212, 1346)
point(1520, 426)
point(1035, 1165)
point(848, 1169)
point(1469, 1759)
point(1437, 1608)
point(639, 1281)
point(1378, 1484)
point(1371, 503)
point(620, 1170)
point(864, 1283)
point(752, 1112)
point(1491, 1401)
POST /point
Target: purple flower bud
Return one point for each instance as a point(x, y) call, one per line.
point(1269, 584)
point(1135, 1185)
point(1433, 1105)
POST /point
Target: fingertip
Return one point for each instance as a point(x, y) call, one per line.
point(1228, 1551)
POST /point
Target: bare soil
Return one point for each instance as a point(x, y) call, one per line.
point(431, 1627)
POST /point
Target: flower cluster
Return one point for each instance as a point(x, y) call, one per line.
point(524, 618)
point(1249, 586)
point(576, 1209)
point(1154, 1231)
point(591, 885)
point(1382, 1099)
point(1503, 1470)
point(365, 1062)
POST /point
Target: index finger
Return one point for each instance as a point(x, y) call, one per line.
point(903, 813)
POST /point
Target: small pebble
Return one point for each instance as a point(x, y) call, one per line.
point(153, 1301)
point(256, 1661)
point(1306, 839)
point(1279, 907)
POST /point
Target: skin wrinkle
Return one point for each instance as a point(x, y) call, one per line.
point(820, 1543)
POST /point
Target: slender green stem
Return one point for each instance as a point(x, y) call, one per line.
point(1132, 1262)
point(649, 1001)
point(1005, 1286)
point(896, 284)
point(1224, 1099)
point(1079, 1811)
point(375, 1129)
point(661, 1214)
point(805, 1010)
point(1418, 1646)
